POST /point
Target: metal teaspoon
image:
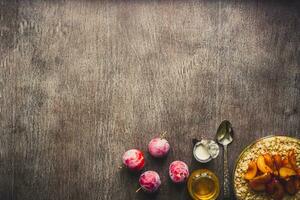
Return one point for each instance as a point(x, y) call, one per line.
point(225, 137)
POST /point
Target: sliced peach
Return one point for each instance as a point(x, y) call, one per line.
point(265, 178)
point(297, 183)
point(285, 172)
point(251, 171)
point(262, 166)
point(292, 159)
point(290, 187)
point(258, 187)
point(278, 161)
point(298, 171)
point(279, 191)
point(269, 161)
point(276, 173)
point(275, 189)
point(286, 163)
point(272, 186)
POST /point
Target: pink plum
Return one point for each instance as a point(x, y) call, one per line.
point(150, 181)
point(158, 147)
point(178, 171)
point(134, 159)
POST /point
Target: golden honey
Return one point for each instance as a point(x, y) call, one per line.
point(203, 185)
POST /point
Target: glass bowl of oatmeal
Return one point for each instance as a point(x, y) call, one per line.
point(272, 145)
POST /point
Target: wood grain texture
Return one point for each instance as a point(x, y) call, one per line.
point(83, 81)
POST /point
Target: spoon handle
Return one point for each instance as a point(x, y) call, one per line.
point(226, 175)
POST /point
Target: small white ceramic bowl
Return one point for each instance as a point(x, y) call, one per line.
point(212, 148)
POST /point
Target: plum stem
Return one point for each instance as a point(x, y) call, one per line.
point(163, 134)
point(138, 190)
point(120, 167)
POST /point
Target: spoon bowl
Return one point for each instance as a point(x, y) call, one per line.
point(225, 133)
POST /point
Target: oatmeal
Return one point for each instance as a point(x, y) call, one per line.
point(272, 145)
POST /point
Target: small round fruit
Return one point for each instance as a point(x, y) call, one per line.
point(134, 159)
point(149, 181)
point(158, 147)
point(178, 171)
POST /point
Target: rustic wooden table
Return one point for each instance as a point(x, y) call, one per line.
point(83, 81)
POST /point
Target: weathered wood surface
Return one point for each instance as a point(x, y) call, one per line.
point(83, 81)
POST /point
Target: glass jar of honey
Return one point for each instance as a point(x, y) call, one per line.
point(203, 185)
